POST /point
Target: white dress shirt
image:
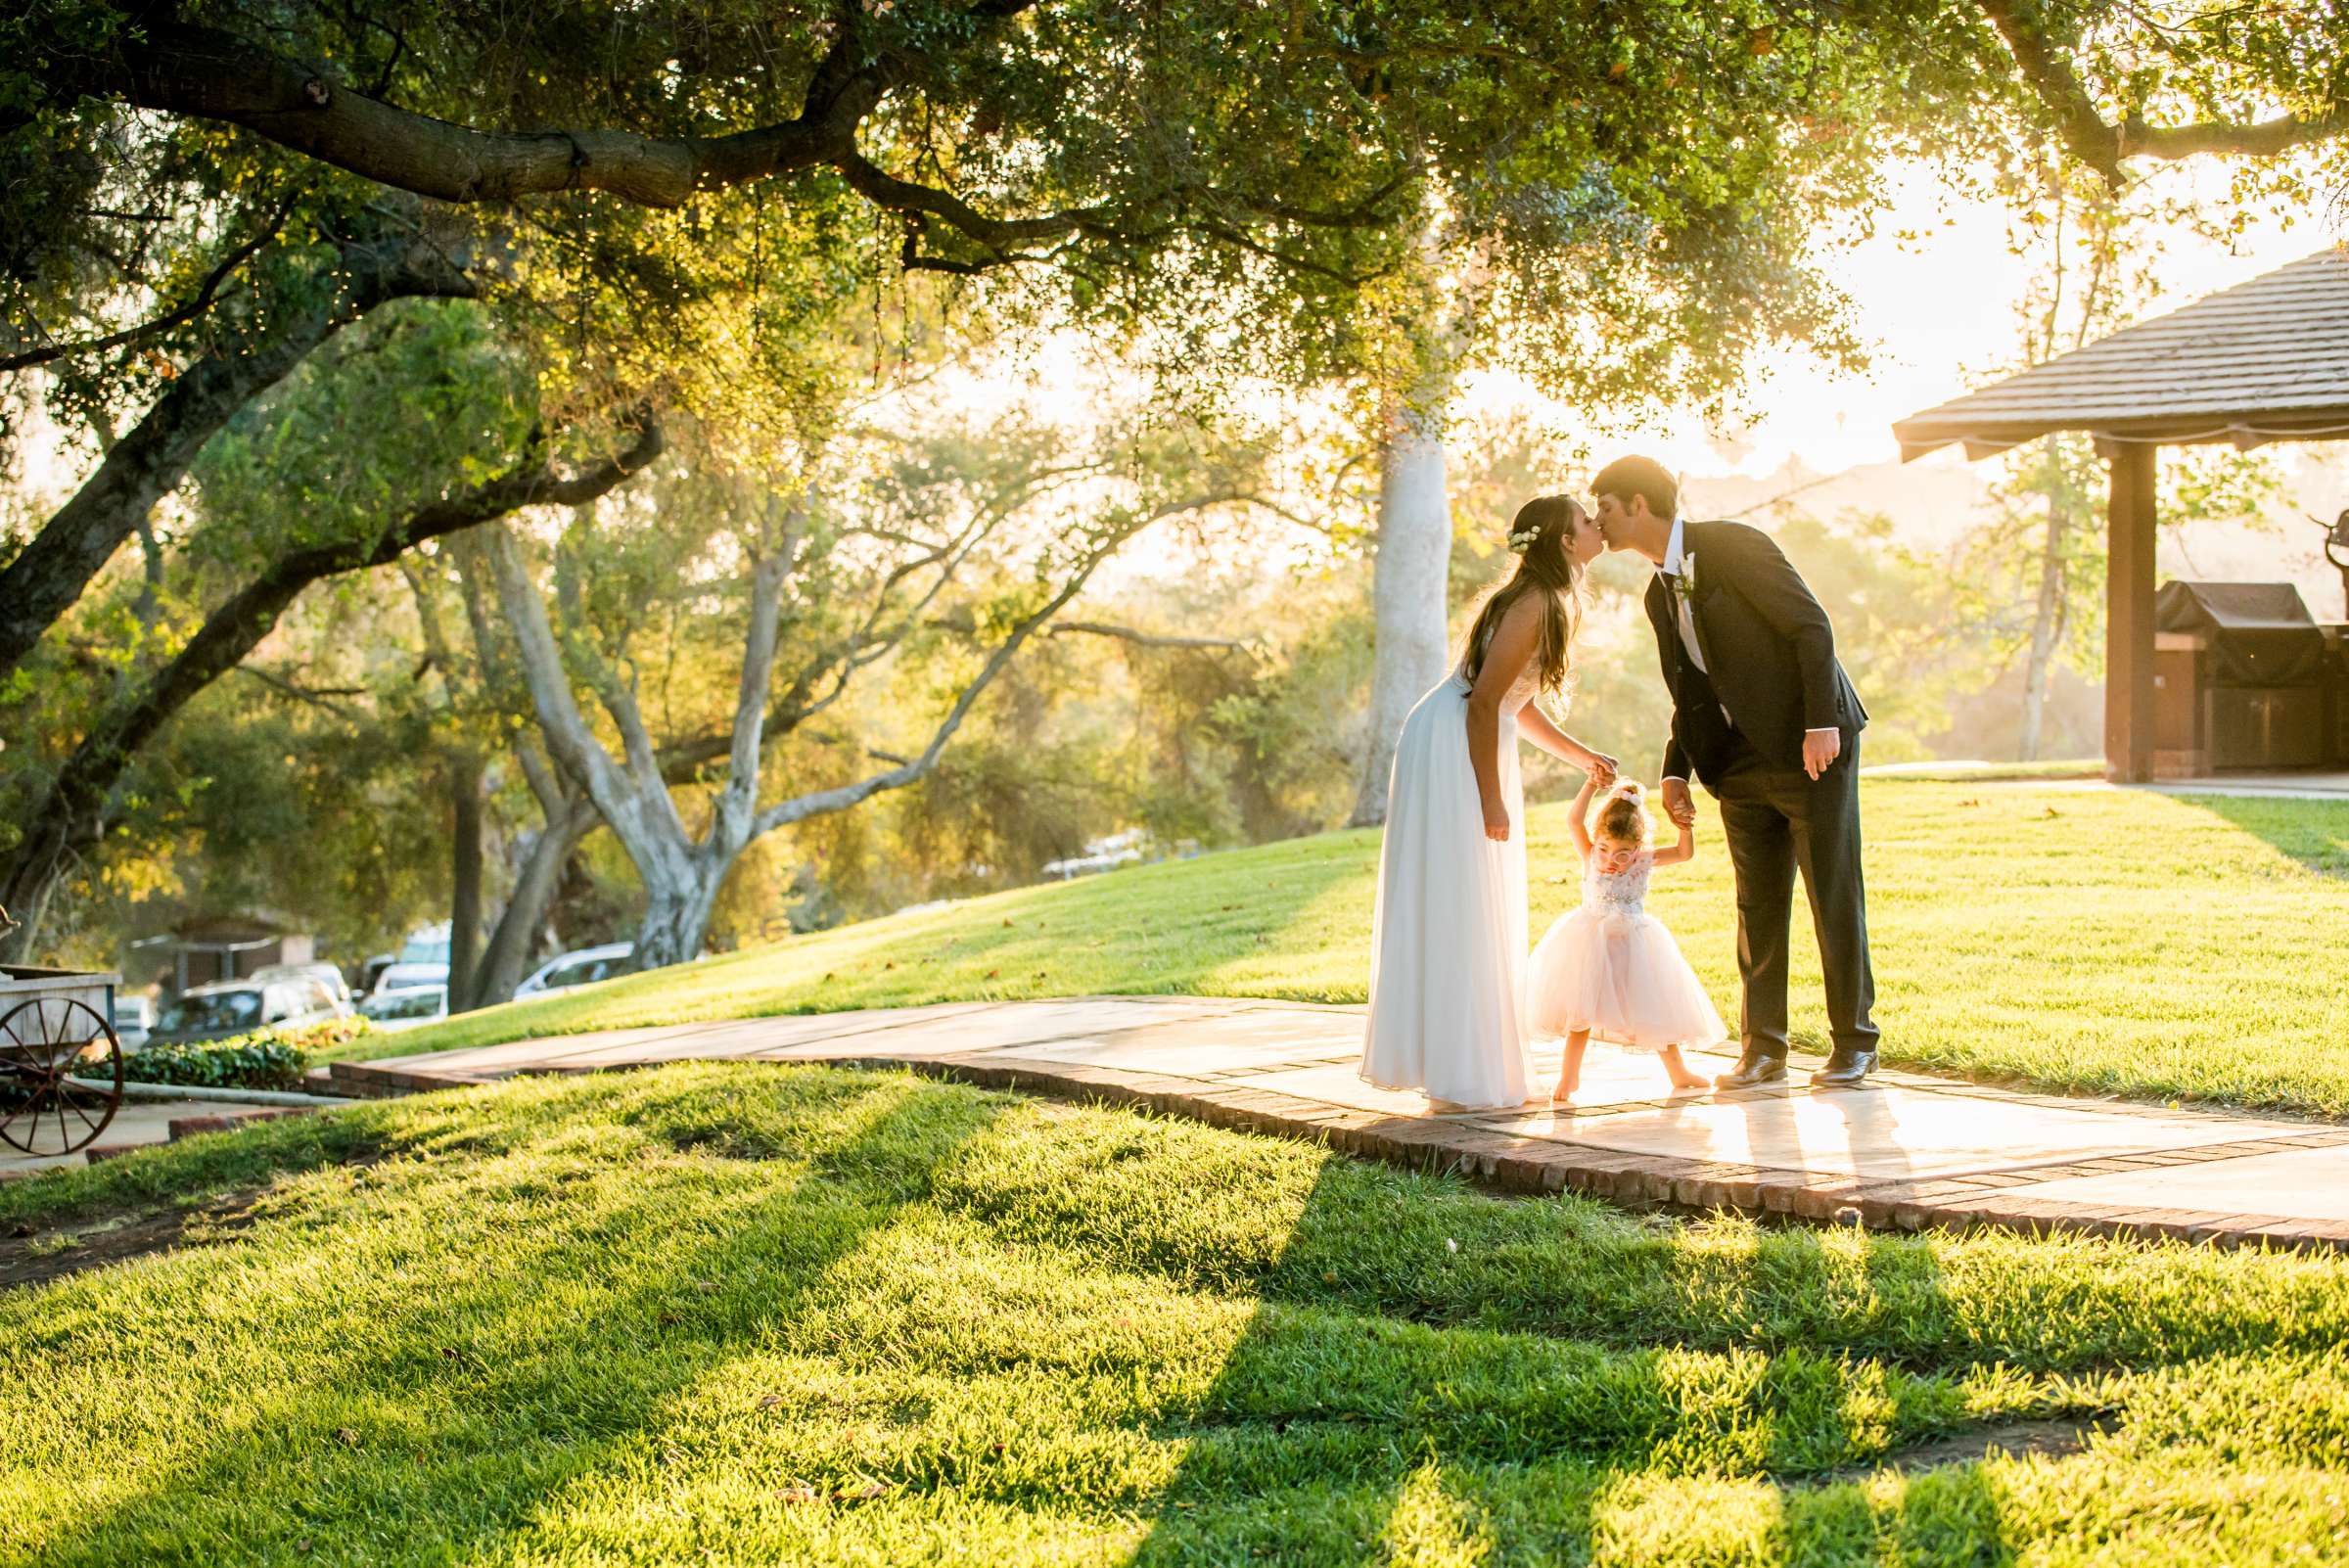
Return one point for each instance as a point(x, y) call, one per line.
point(1673, 564)
point(1673, 551)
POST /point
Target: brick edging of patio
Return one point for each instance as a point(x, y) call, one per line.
point(1541, 1166)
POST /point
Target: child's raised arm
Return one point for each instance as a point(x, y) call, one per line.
point(1686, 849)
point(1577, 815)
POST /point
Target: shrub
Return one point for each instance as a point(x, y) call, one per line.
point(269, 1059)
point(326, 1031)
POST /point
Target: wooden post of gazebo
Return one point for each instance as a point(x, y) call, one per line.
point(2264, 361)
point(2129, 533)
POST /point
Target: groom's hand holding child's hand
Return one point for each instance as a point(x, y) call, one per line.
point(1679, 804)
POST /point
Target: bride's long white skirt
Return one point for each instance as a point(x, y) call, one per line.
point(1447, 941)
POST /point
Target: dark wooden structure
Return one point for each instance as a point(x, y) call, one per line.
point(2244, 679)
point(2267, 360)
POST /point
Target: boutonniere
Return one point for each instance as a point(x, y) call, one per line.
point(1687, 580)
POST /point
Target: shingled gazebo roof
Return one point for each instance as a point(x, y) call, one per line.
point(2264, 360)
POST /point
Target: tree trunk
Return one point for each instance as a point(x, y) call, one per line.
point(465, 874)
point(2047, 623)
point(678, 909)
point(506, 960)
point(682, 875)
point(1411, 576)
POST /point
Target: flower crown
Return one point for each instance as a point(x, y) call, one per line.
point(1523, 539)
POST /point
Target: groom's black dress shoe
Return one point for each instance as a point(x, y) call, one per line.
point(1843, 1071)
point(1752, 1068)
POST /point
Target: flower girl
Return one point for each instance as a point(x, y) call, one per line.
point(1609, 968)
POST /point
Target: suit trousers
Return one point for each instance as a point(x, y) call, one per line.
point(1779, 822)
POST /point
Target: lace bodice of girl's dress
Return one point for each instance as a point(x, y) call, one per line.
point(1623, 892)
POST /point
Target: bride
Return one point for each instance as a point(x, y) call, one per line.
point(1447, 941)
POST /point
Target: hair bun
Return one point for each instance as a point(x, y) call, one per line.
point(1630, 789)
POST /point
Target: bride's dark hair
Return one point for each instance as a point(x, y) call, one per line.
point(1546, 566)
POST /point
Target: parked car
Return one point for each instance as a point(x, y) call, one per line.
point(241, 1007)
point(428, 944)
point(405, 1007)
point(326, 975)
point(405, 976)
point(134, 1019)
point(425, 945)
point(582, 966)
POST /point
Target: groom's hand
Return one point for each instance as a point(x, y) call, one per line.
point(1820, 747)
point(1679, 804)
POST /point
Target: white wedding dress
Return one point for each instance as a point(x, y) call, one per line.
point(1447, 941)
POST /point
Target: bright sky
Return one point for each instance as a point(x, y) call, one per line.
point(1933, 308)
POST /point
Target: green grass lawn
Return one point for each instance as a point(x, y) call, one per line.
point(2109, 941)
point(760, 1314)
point(2079, 768)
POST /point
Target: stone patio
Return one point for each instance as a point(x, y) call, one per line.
point(1905, 1150)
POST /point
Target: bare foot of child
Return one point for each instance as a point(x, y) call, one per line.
point(1675, 1067)
point(1570, 1070)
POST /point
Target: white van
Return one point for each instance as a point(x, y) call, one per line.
point(241, 1007)
point(405, 1006)
point(581, 966)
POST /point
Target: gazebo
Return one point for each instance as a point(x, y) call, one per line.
point(2267, 360)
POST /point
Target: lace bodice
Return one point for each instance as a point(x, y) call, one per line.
point(1625, 892)
point(1521, 690)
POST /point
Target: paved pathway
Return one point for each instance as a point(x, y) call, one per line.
point(1905, 1150)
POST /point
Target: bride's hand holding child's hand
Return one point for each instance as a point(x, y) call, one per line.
point(1601, 769)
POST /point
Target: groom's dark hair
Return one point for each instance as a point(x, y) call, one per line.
point(1627, 476)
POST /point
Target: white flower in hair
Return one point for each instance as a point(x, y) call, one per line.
point(1523, 539)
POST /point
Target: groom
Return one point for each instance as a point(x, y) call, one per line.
point(1761, 711)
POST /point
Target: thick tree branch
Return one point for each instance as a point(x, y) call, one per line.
point(45, 579)
point(194, 306)
point(819, 803)
point(211, 73)
point(2049, 75)
point(2259, 139)
point(214, 74)
point(73, 809)
point(2102, 145)
point(1145, 639)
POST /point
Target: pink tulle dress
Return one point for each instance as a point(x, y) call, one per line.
point(1611, 968)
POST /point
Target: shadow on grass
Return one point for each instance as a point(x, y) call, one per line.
point(1352, 1426)
point(452, 1422)
point(2314, 832)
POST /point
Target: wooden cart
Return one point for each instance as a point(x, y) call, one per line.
point(61, 1066)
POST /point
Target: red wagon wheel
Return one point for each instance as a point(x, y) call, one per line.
point(61, 1076)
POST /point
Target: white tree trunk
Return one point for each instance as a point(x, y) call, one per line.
point(2047, 627)
point(1408, 595)
point(680, 875)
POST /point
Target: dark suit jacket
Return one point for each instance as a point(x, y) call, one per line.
point(1769, 650)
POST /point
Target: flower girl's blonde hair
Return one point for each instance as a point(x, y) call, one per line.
point(1623, 815)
